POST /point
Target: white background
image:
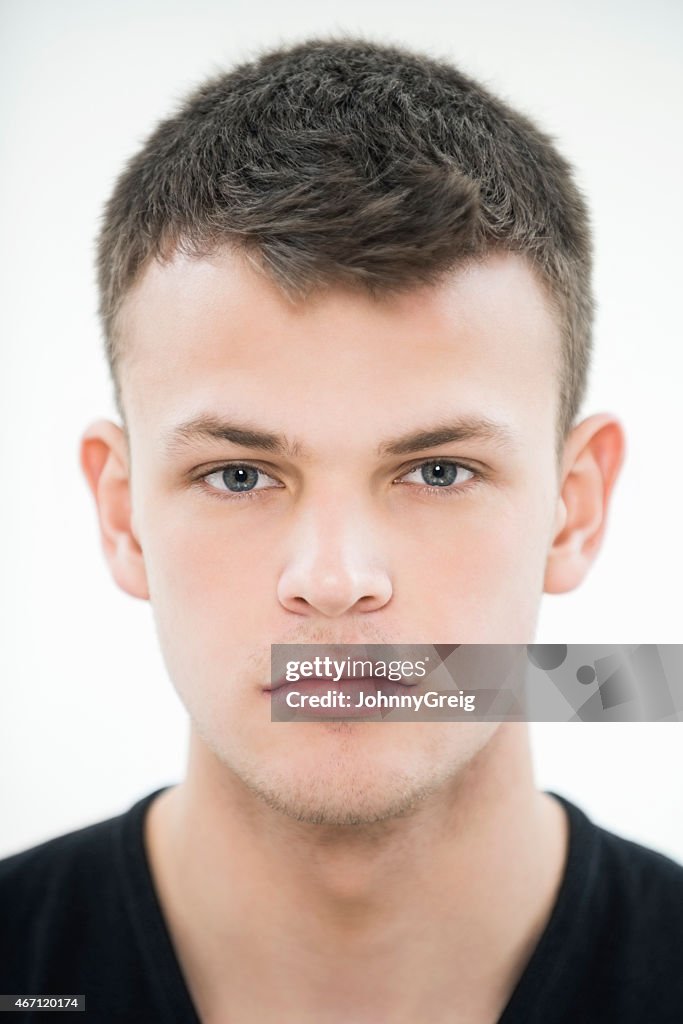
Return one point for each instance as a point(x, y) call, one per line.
point(89, 720)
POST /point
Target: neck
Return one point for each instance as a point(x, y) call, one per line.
point(367, 919)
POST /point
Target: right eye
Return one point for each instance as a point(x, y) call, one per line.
point(236, 478)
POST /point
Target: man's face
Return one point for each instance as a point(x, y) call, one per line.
point(336, 538)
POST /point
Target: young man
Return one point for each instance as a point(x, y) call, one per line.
point(347, 305)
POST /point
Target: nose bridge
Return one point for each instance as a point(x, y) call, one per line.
point(336, 527)
point(335, 557)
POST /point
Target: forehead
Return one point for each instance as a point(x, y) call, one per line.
point(215, 335)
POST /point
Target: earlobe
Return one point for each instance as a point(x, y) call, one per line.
point(594, 453)
point(105, 465)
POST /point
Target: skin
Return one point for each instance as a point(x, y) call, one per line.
point(346, 871)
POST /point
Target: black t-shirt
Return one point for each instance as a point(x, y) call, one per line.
point(79, 915)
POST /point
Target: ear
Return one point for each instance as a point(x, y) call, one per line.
point(105, 462)
point(593, 455)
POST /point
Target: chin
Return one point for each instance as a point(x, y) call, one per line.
point(341, 773)
point(330, 800)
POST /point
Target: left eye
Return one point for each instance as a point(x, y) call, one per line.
point(440, 474)
point(239, 478)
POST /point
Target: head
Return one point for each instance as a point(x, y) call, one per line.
point(346, 301)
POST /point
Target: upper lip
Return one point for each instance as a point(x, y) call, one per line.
point(334, 678)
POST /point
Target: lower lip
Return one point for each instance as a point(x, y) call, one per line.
point(351, 688)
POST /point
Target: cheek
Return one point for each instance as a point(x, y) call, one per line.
point(203, 569)
point(209, 592)
point(482, 581)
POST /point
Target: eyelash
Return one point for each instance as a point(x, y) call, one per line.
point(449, 491)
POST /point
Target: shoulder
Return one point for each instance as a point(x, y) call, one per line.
point(624, 926)
point(48, 892)
point(68, 857)
point(76, 856)
point(38, 866)
point(639, 869)
point(71, 918)
point(645, 887)
point(63, 900)
point(639, 887)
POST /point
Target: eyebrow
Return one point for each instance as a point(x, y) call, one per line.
point(213, 428)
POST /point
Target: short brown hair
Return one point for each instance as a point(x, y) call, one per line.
point(343, 161)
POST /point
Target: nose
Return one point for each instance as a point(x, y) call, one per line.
point(335, 564)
